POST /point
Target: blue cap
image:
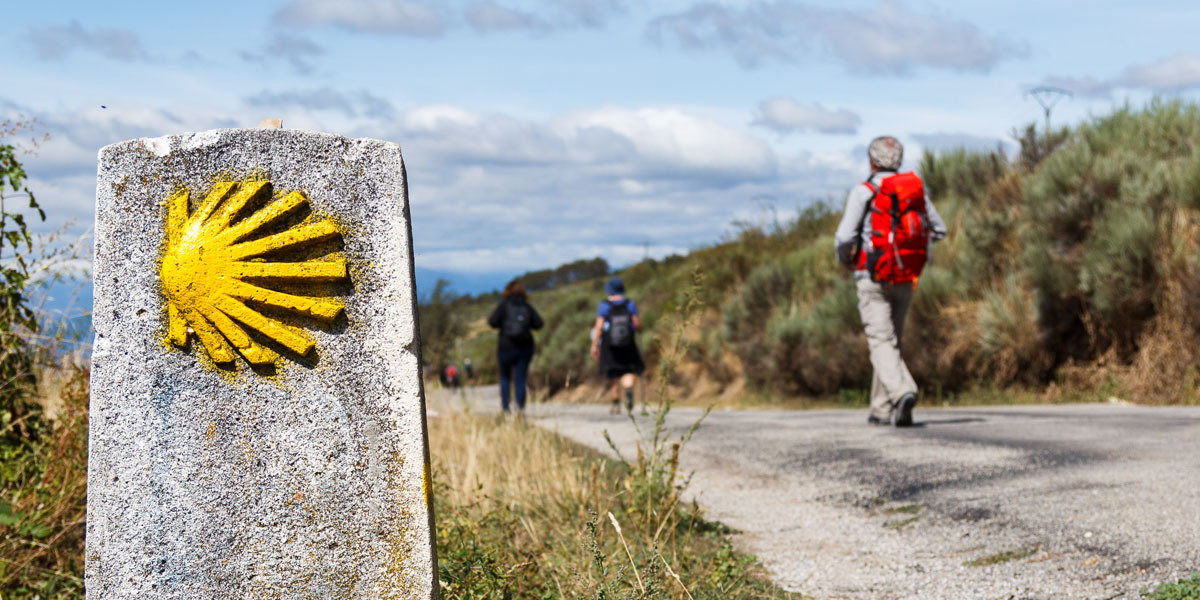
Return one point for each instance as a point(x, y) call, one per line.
point(614, 286)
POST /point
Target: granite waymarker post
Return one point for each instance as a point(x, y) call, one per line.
point(257, 416)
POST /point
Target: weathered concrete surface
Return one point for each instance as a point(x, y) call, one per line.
point(1088, 501)
point(305, 480)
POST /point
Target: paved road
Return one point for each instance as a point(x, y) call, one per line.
point(1094, 501)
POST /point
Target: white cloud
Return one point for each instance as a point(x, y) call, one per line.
point(58, 41)
point(1174, 73)
point(1087, 86)
point(350, 104)
point(785, 115)
point(405, 17)
point(297, 51)
point(529, 257)
point(493, 192)
point(670, 141)
point(544, 15)
point(584, 13)
point(430, 18)
point(942, 141)
point(489, 16)
point(886, 38)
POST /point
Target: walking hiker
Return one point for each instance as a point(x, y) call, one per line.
point(614, 343)
point(516, 319)
point(884, 236)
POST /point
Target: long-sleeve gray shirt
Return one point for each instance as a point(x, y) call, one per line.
point(851, 229)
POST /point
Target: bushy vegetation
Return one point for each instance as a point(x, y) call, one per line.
point(43, 443)
point(1073, 263)
point(17, 317)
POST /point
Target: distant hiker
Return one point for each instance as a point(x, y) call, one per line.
point(614, 342)
point(516, 319)
point(468, 370)
point(884, 237)
point(451, 375)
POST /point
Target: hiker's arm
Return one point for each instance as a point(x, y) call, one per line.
point(637, 323)
point(849, 232)
point(497, 316)
point(597, 331)
point(535, 321)
point(937, 227)
point(633, 316)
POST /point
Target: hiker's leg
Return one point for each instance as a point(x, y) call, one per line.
point(504, 358)
point(520, 370)
point(901, 298)
point(877, 317)
point(881, 405)
point(627, 381)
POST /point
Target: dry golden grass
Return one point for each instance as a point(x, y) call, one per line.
point(487, 459)
point(524, 513)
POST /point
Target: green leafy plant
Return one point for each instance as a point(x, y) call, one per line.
point(1187, 588)
point(17, 318)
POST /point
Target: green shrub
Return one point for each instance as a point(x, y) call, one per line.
point(1185, 589)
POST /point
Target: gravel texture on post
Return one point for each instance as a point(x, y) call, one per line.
point(269, 440)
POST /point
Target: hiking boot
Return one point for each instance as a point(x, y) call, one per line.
point(902, 417)
point(874, 420)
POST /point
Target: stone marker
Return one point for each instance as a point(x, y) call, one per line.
point(257, 413)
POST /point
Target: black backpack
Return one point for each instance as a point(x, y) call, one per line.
point(516, 321)
point(620, 324)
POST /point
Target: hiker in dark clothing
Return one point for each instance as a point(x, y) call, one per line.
point(515, 318)
point(614, 342)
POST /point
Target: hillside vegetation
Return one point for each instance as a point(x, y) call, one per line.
point(1071, 266)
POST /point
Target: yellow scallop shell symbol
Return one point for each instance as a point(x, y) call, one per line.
point(214, 272)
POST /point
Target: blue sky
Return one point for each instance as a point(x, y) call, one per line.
point(537, 132)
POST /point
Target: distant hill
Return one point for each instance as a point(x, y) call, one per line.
point(462, 283)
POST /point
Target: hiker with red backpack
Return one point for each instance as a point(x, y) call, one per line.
point(614, 343)
point(516, 319)
point(884, 237)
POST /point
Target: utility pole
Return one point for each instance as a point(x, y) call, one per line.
point(1048, 96)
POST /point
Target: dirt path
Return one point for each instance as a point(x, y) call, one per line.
point(1082, 501)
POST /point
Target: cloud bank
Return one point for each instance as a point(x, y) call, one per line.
point(1173, 74)
point(886, 39)
point(58, 41)
point(493, 192)
point(785, 115)
point(431, 18)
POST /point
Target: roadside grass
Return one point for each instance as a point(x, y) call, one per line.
point(525, 513)
point(901, 524)
point(1187, 588)
point(907, 509)
point(1001, 557)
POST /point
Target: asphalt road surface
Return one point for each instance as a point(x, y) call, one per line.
point(1078, 501)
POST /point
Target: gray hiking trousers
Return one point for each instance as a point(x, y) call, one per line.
point(883, 308)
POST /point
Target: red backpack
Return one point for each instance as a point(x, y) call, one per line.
point(899, 236)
